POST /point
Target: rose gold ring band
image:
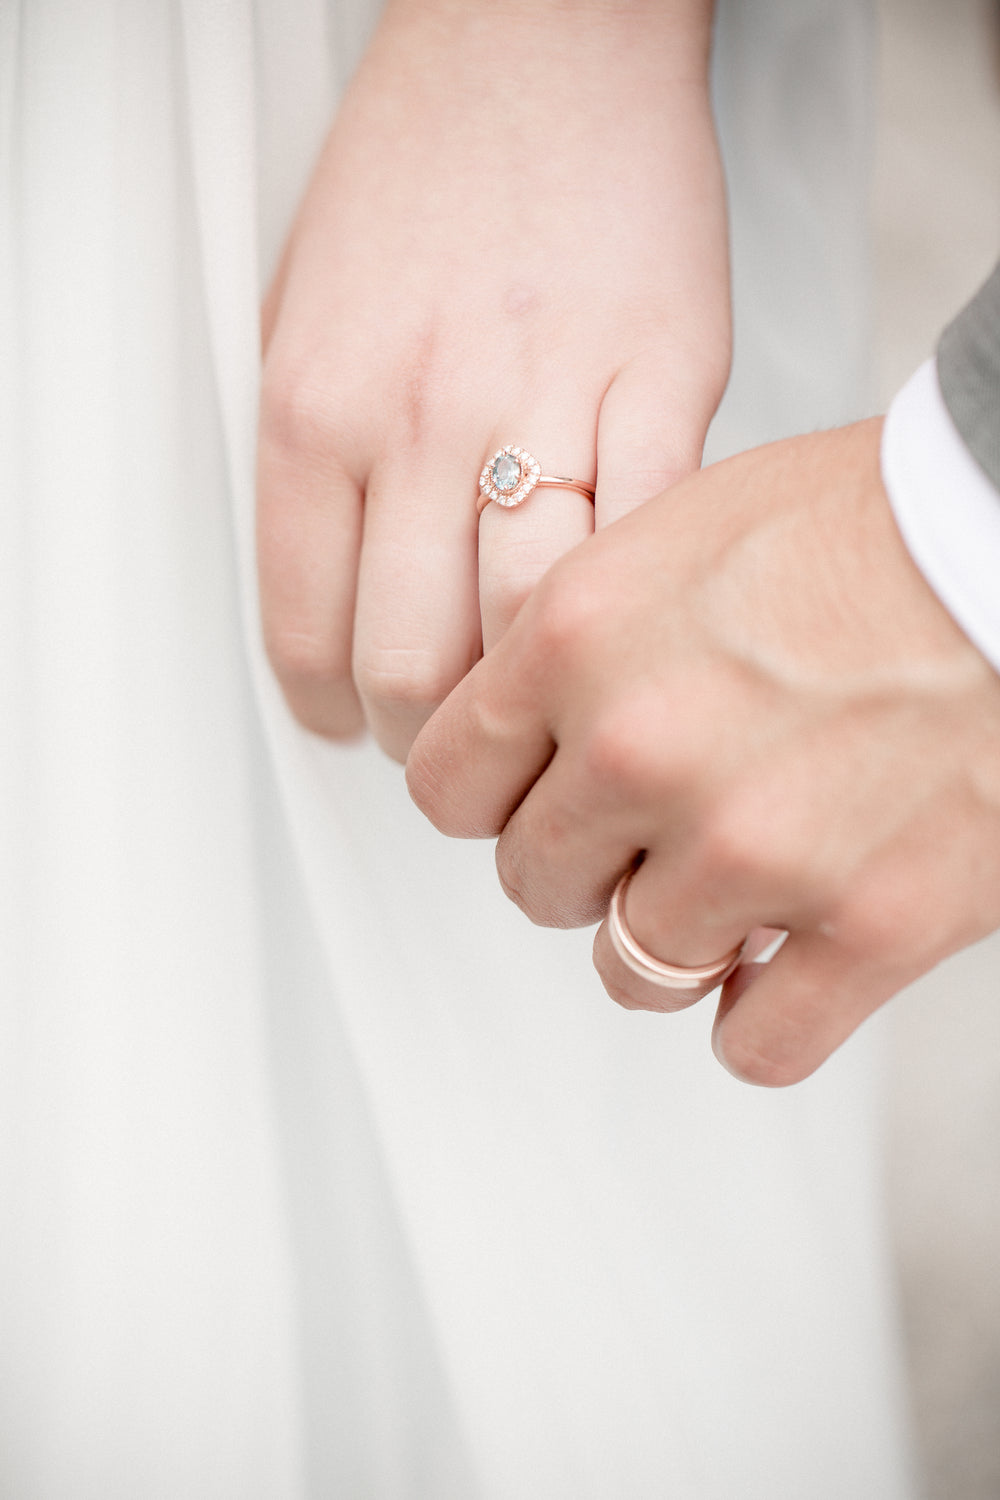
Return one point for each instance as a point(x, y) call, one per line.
point(703, 977)
point(552, 482)
point(512, 474)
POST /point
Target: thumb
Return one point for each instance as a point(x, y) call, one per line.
point(777, 1022)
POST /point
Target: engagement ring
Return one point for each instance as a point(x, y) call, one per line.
point(511, 475)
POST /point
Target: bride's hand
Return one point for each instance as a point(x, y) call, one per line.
point(515, 234)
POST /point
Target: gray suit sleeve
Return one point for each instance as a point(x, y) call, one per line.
point(968, 360)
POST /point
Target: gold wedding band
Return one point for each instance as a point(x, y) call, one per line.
point(703, 977)
point(511, 475)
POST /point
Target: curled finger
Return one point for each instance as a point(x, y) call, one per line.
point(417, 623)
point(527, 521)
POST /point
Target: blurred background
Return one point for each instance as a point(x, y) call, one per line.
point(937, 223)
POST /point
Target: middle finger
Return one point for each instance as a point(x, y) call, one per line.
point(417, 619)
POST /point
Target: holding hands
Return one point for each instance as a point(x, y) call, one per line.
point(748, 683)
point(743, 692)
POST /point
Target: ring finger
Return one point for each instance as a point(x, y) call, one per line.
point(519, 543)
point(647, 928)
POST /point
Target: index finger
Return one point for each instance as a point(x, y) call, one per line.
point(477, 757)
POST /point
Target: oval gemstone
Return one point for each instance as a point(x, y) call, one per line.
point(506, 473)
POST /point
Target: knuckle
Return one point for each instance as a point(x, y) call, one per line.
point(395, 739)
point(654, 1001)
point(750, 853)
point(539, 870)
point(315, 681)
point(612, 758)
point(425, 783)
point(432, 791)
point(517, 886)
point(628, 754)
point(512, 884)
point(403, 679)
point(296, 408)
point(508, 866)
point(621, 995)
point(301, 659)
point(337, 719)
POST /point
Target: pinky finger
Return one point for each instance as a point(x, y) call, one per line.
point(651, 433)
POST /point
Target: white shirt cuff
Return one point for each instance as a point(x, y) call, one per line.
point(946, 508)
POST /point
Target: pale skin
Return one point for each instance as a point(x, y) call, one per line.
point(748, 682)
point(515, 234)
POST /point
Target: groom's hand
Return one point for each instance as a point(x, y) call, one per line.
point(748, 680)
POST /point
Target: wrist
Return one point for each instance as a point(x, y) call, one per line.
point(669, 39)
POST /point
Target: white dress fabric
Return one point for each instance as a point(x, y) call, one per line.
point(322, 1173)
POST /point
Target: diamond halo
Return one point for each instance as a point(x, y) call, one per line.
point(510, 476)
